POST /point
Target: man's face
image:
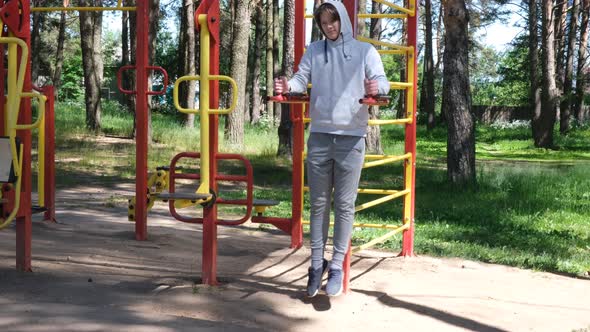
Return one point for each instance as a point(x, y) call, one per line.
point(330, 28)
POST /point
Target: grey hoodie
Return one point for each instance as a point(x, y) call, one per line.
point(337, 70)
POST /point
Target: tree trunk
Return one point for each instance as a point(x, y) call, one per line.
point(186, 61)
point(457, 95)
point(275, 56)
point(549, 94)
point(131, 99)
point(316, 33)
point(427, 99)
point(361, 25)
point(38, 18)
point(439, 37)
point(154, 19)
point(59, 56)
point(269, 59)
point(560, 20)
point(285, 129)
point(258, 45)
point(90, 33)
point(564, 108)
point(439, 56)
point(373, 139)
point(535, 89)
point(580, 82)
point(234, 134)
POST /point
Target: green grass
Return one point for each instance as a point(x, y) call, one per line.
point(530, 207)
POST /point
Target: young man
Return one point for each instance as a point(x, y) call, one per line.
point(341, 70)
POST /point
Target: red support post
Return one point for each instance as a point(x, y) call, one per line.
point(49, 92)
point(298, 135)
point(141, 143)
point(24, 219)
point(408, 235)
point(209, 263)
point(352, 9)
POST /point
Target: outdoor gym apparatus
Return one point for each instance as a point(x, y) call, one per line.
point(162, 184)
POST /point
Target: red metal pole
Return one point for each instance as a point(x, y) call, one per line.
point(141, 143)
point(209, 263)
point(352, 9)
point(408, 235)
point(298, 135)
point(24, 220)
point(49, 91)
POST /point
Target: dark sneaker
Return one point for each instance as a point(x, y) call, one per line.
point(335, 279)
point(314, 281)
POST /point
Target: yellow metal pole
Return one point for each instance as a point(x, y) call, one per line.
point(81, 9)
point(386, 160)
point(409, 11)
point(408, 186)
point(204, 104)
point(380, 239)
point(381, 200)
point(15, 81)
point(400, 16)
point(364, 225)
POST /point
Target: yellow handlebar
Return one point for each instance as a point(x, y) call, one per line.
point(211, 78)
point(41, 116)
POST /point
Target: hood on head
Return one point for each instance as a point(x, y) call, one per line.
point(345, 25)
point(345, 30)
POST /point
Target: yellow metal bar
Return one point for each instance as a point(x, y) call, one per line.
point(410, 92)
point(234, 94)
point(199, 78)
point(82, 9)
point(408, 187)
point(363, 225)
point(409, 11)
point(381, 200)
point(41, 160)
point(378, 191)
point(396, 16)
point(41, 115)
point(12, 215)
point(204, 104)
point(15, 82)
point(385, 44)
point(12, 109)
point(391, 52)
point(380, 239)
point(370, 191)
point(389, 122)
point(401, 85)
point(386, 160)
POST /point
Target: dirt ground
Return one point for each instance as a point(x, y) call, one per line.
point(91, 275)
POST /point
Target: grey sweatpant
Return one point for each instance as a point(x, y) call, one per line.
point(334, 163)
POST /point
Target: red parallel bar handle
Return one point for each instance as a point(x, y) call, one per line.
point(151, 93)
point(377, 100)
point(289, 98)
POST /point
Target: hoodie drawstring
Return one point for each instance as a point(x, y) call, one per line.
point(346, 56)
point(326, 50)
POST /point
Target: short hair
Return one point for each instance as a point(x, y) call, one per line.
point(330, 9)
